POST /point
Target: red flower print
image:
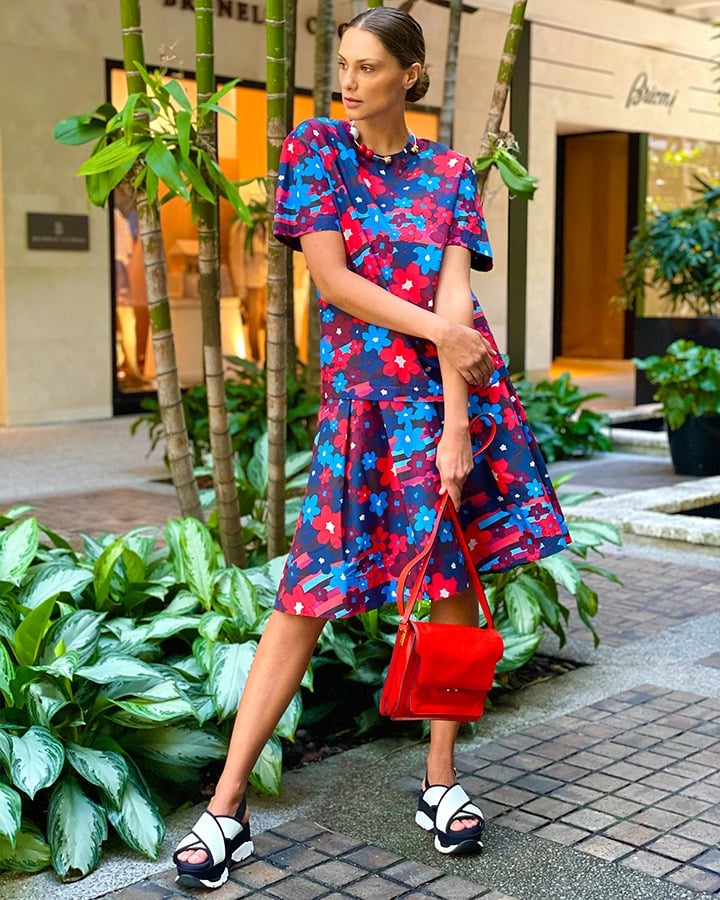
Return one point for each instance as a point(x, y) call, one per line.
point(409, 282)
point(398, 544)
point(439, 586)
point(328, 527)
point(386, 468)
point(501, 474)
point(447, 163)
point(399, 361)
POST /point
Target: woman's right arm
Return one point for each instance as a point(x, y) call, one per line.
point(325, 256)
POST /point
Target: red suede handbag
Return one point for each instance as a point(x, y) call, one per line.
point(440, 671)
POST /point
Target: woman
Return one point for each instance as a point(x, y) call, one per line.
point(390, 226)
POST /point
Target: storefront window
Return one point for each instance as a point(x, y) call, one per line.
point(243, 256)
point(674, 166)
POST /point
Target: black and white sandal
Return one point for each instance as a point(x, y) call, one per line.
point(225, 839)
point(438, 807)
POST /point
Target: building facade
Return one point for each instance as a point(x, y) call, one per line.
point(599, 87)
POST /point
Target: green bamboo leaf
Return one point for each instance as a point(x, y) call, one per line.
point(178, 745)
point(138, 821)
point(198, 559)
point(152, 184)
point(226, 188)
point(78, 632)
point(229, 667)
point(7, 673)
point(163, 164)
point(288, 723)
point(76, 828)
point(10, 813)
point(30, 853)
point(103, 768)
point(177, 92)
point(36, 760)
point(81, 129)
point(31, 631)
point(52, 578)
point(18, 546)
point(183, 123)
point(114, 154)
point(128, 117)
point(522, 607)
point(267, 772)
point(197, 182)
point(225, 89)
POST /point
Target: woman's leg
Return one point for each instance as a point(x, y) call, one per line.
point(282, 656)
point(462, 609)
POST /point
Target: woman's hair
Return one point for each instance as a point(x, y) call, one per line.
point(401, 36)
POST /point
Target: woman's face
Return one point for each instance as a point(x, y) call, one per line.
point(372, 80)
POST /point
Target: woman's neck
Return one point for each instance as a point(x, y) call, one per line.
point(383, 138)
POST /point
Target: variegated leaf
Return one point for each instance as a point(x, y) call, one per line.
point(78, 632)
point(267, 771)
point(141, 713)
point(116, 668)
point(10, 812)
point(178, 745)
point(18, 546)
point(229, 667)
point(103, 768)
point(165, 625)
point(30, 853)
point(44, 698)
point(52, 578)
point(36, 760)
point(138, 821)
point(76, 827)
point(104, 570)
point(31, 631)
point(198, 556)
point(7, 673)
point(288, 723)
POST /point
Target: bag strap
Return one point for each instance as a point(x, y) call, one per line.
point(445, 508)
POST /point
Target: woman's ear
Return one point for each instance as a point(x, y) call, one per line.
point(411, 75)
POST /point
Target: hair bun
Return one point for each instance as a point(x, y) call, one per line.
point(420, 88)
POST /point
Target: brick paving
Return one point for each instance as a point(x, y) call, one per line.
point(652, 598)
point(633, 779)
point(303, 861)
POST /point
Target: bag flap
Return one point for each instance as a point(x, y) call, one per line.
point(456, 657)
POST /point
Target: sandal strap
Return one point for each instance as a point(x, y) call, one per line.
point(454, 804)
point(207, 834)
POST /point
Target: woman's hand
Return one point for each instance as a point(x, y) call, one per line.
point(467, 351)
point(454, 461)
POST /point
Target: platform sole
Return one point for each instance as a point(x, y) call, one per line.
point(240, 854)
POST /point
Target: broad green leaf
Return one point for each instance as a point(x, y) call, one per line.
point(64, 665)
point(18, 546)
point(36, 760)
point(161, 703)
point(183, 602)
point(267, 772)
point(165, 625)
point(178, 745)
point(229, 667)
point(522, 607)
point(44, 699)
point(29, 853)
point(288, 723)
point(77, 633)
point(76, 829)
point(236, 594)
point(104, 570)
point(31, 631)
point(115, 154)
point(103, 768)
point(163, 164)
point(10, 813)
point(211, 625)
point(138, 821)
point(7, 673)
point(342, 645)
point(52, 578)
point(593, 533)
point(562, 570)
point(198, 559)
point(519, 648)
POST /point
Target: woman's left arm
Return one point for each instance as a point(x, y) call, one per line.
point(453, 301)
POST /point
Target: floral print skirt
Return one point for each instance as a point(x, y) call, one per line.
point(373, 492)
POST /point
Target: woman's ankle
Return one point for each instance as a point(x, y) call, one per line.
point(440, 772)
point(226, 801)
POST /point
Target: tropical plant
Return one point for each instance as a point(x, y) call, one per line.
point(276, 362)
point(562, 429)
point(678, 251)
point(119, 669)
point(209, 267)
point(687, 377)
point(245, 389)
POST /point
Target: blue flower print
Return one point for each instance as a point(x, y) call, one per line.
point(430, 182)
point(428, 258)
point(491, 411)
point(310, 508)
point(336, 464)
point(379, 502)
point(326, 351)
point(362, 542)
point(369, 460)
point(376, 338)
point(327, 314)
point(410, 439)
point(424, 519)
point(340, 382)
point(534, 489)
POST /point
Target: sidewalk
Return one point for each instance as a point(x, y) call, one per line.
point(603, 782)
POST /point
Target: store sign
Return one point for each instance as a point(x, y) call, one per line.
point(643, 93)
point(55, 231)
point(228, 9)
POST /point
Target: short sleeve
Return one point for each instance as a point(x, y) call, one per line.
point(304, 200)
point(468, 225)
